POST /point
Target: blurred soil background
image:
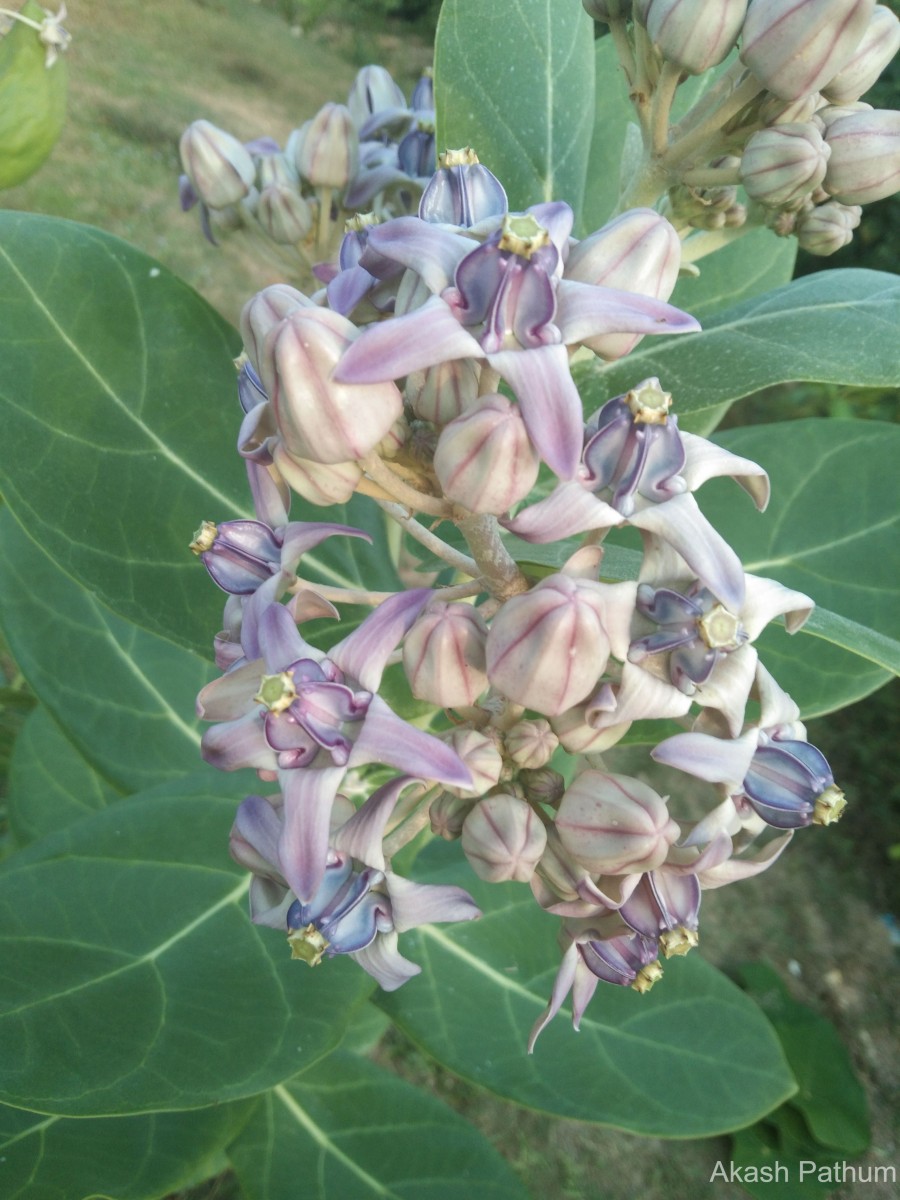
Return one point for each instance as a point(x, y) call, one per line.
point(139, 73)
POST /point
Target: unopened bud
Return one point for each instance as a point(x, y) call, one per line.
point(827, 228)
point(615, 825)
point(274, 168)
point(219, 167)
point(878, 45)
point(443, 655)
point(783, 163)
point(484, 458)
point(531, 744)
point(447, 814)
point(462, 192)
point(317, 417)
point(636, 252)
point(547, 648)
point(503, 838)
point(283, 214)
point(695, 34)
point(444, 391)
point(482, 758)
point(796, 46)
point(543, 785)
point(865, 156)
point(264, 311)
point(326, 149)
point(373, 91)
point(317, 482)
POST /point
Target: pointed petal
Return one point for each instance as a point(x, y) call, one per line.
point(775, 706)
point(231, 695)
point(385, 963)
point(362, 835)
point(562, 985)
point(432, 252)
point(422, 903)
point(364, 653)
point(387, 738)
point(549, 402)
point(269, 903)
point(428, 335)
point(716, 760)
point(303, 846)
point(680, 522)
point(254, 836)
point(586, 310)
point(728, 688)
point(237, 744)
point(569, 509)
point(767, 599)
point(744, 868)
point(705, 460)
point(300, 536)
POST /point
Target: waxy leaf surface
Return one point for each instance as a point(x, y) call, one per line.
point(131, 978)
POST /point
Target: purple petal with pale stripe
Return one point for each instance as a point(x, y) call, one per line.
point(569, 509)
point(433, 253)
point(422, 903)
point(585, 310)
point(549, 403)
point(717, 760)
point(428, 335)
point(364, 653)
point(254, 837)
point(303, 846)
point(237, 744)
point(705, 460)
point(280, 641)
point(387, 738)
point(362, 835)
point(385, 963)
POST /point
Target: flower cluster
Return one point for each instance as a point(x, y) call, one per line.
point(784, 120)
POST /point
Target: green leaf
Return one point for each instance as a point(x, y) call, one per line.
point(516, 83)
point(350, 1128)
point(756, 263)
point(125, 697)
point(50, 784)
point(691, 1058)
point(778, 1160)
point(829, 1096)
point(832, 327)
point(119, 409)
point(130, 1158)
point(132, 978)
point(830, 531)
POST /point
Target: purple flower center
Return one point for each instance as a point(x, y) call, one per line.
point(694, 628)
point(309, 706)
point(790, 785)
point(628, 961)
point(344, 915)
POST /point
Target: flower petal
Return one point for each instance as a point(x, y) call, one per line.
point(422, 903)
point(705, 460)
point(549, 402)
point(569, 509)
point(387, 738)
point(364, 653)
point(303, 847)
point(385, 963)
point(717, 760)
point(362, 835)
point(426, 336)
point(586, 310)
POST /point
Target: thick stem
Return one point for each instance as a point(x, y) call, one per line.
point(624, 50)
point(707, 131)
point(669, 79)
point(709, 177)
point(698, 245)
point(498, 568)
point(381, 473)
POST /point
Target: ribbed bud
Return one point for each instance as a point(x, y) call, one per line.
point(274, 168)
point(636, 252)
point(326, 149)
point(879, 44)
point(543, 785)
point(796, 46)
point(443, 391)
point(219, 167)
point(774, 111)
point(607, 10)
point(547, 648)
point(530, 744)
point(318, 418)
point(264, 311)
point(443, 655)
point(283, 214)
point(615, 825)
point(827, 228)
point(784, 163)
point(462, 191)
point(577, 735)
point(373, 90)
point(319, 484)
point(447, 814)
point(482, 758)
point(484, 458)
point(695, 34)
point(503, 838)
point(865, 156)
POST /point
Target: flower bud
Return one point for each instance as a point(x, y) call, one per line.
point(503, 838)
point(827, 228)
point(318, 418)
point(443, 655)
point(326, 149)
point(444, 391)
point(543, 785)
point(482, 758)
point(462, 192)
point(316, 482)
point(284, 214)
point(547, 648)
point(878, 45)
point(373, 90)
point(264, 311)
point(615, 825)
point(865, 156)
point(578, 735)
point(796, 46)
point(484, 458)
point(274, 168)
point(784, 163)
point(219, 167)
point(636, 252)
point(447, 814)
point(774, 111)
point(530, 744)
point(695, 34)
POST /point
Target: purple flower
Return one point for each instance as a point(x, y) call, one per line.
point(295, 713)
point(360, 906)
point(505, 301)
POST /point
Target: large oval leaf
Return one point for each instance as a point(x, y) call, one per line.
point(516, 82)
point(691, 1058)
point(350, 1128)
point(132, 978)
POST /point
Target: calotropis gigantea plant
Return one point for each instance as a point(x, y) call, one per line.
point(498, 692)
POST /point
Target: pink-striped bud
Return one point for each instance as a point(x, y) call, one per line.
point(318, 418)
point(326, 149)
point(547, 648)
point(219, 167)
point(615, 825)
point(878, 45)
point(865, 156)
point(284, 214)
point(636, 252)
point(443, 655)
point(827, 228)
point(484, 458)
point(530, 744)
point(264, 311)
point(796, 46)
point(447, 814)
point(503, 838)
point(443, 391)
point(695, 34)
point(316, 482)
point(784, 163)
point(482, 758)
